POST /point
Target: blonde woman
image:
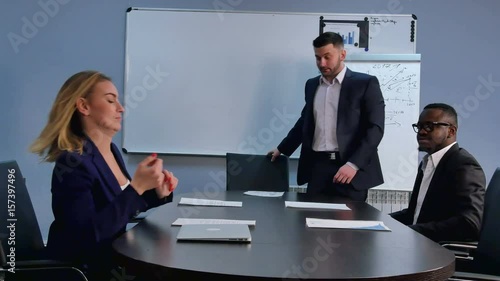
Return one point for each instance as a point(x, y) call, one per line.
point(93, 195)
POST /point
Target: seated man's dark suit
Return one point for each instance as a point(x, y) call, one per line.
point(453, 206)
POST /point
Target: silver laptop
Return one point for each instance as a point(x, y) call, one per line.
point(215, 232)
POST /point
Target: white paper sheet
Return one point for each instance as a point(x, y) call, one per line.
point(206, 202)
point(312, 205)
point(184, 221)
point(347, 224)
point(263, 193)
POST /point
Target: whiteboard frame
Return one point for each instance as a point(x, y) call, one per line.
point(350, 57)
point(384, 57)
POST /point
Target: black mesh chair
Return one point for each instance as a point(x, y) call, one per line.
point(481, 260)
point(256, 172)
point(22, 249)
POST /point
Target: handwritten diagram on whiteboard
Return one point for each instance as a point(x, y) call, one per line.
point(400, 85)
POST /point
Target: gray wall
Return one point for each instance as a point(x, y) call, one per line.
point(456, 40)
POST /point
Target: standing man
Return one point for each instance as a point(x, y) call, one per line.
point(340, 127)
point(448, 196)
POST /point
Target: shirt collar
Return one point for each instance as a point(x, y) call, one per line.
point(436, 156)
point(339, 77)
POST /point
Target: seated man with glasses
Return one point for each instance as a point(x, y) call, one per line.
point(448, 194)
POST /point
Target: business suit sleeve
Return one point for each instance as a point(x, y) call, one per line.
point(469, 201)
point(294, 138)
point(149, 196)
point(152, 199)
point(402, 216)
point(74, 205)
point(373, 108)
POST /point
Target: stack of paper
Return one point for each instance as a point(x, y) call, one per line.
point(346, 224)
point(184, 221)
point(264, 193)
point(206, 202)
point(312, 205)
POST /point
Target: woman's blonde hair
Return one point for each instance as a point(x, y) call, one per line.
point(64, 131)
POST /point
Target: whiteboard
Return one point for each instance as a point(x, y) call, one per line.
point(400, 84)
point(212, 82)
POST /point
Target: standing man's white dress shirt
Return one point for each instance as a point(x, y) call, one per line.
point(326, 104)
point(326, 108)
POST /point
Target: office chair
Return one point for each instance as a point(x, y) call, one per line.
point(18, 224)
point(482, 259)
point(256, 172)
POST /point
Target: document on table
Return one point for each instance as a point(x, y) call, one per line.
point(346, 224)
point(264, 193)
point(206, 202)
point(312, 205)
point(184, 221)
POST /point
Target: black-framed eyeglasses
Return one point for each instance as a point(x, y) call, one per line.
point(428, 126)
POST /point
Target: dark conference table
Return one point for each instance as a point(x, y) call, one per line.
point(282, 246)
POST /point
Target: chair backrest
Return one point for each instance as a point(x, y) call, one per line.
point(18, 223)
point(256, 172)
point(488, 247)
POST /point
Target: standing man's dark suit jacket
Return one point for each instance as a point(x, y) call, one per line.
point(453, 206)
point(90, 208)
point(360, 127)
